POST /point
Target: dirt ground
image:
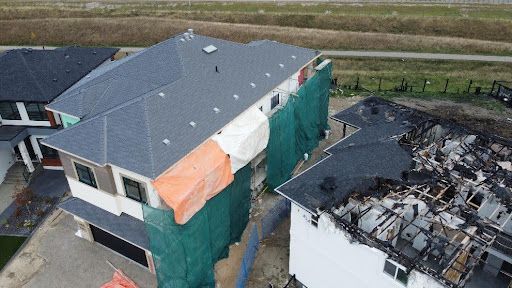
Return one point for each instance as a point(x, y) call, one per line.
point(471, 116)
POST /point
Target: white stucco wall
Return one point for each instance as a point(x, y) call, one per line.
point(115, 204)
point(6, 161)
point(323, 257)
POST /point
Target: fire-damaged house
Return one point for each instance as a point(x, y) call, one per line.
point(407, 200)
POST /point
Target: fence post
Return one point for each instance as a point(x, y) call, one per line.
point(493, 84)
point(402, 85)
point(357, 83)
point(446, 85)
point(424, 85)
point(380, 82)
point(469, 86)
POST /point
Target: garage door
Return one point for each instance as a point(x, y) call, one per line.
point(119, 245)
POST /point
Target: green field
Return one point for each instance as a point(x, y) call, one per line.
point(391, 72)
point(478, 29)
point(8, 246)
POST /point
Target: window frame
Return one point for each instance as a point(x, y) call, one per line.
point(141, 187)
point(43, 148)
point(42, 115)
point(274, 104)
point(94, 183)
point(14, 111)
point(397, 267)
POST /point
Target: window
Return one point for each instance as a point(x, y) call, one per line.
point(135, 190)
point(274, 101)
point(396, 272)
point(9, 111)
point(85, 175)
point(48, 153)
point(36, 112)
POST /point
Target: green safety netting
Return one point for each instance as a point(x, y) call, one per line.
point(184, 255)
point(297, 128)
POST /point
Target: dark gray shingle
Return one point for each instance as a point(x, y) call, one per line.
point(135, 119)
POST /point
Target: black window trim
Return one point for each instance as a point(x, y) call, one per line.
point(397, 268)
point(43, 114)
point(275, 95)
point(90, 171)
point(141, 187)
point(17, 112)
point(41, 147)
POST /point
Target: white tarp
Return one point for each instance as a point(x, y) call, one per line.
point(244, 138)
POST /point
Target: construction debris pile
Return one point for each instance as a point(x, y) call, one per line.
point(448, 208)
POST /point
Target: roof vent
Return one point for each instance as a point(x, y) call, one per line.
point(294, 57)
point(253, 85)
point(193, 124)
point(79, 62)
point(67, 70)
point(267, 74)
point(166, 141)
point(182, 39)
point(54, 79)
point(94, 53)
point(161, 94)
point(281, 65)
point(191, 32)
point(236, 97)
point(210, 49)
point(67, 56)
point(216, 110)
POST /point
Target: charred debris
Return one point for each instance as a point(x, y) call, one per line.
point(431, 194)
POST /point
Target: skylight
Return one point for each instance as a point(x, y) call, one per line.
point(210, 49)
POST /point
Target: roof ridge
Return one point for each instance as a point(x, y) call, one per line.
point(150, 148)
point(41, 90)
point(105, 145)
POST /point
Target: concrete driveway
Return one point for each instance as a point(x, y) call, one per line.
point(55, 257)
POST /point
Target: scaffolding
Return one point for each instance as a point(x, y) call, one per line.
point(184, 255)
point(295, 130)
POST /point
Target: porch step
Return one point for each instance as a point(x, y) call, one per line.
point(15, 174)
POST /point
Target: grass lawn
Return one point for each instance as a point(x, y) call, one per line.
point(8, 246)
point(391, 72)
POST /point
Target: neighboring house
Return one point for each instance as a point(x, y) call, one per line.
point(407, 200)
point(142, 114)
point(29, 80)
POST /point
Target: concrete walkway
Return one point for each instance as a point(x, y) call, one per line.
point(412, 55)
point(342, 53)
point(55, 257)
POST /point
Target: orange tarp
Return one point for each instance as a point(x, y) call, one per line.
point(194, 179)
point(120, 281)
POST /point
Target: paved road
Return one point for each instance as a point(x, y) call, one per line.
point(338, 53)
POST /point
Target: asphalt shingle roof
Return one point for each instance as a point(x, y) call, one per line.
point(125, 117)
point(355, 163)
point(42, 75)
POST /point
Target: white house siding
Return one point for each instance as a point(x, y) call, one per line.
point(324, 257)
point(6, 161)
point(115, 204)
point(118, 173)
point(25, 121)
